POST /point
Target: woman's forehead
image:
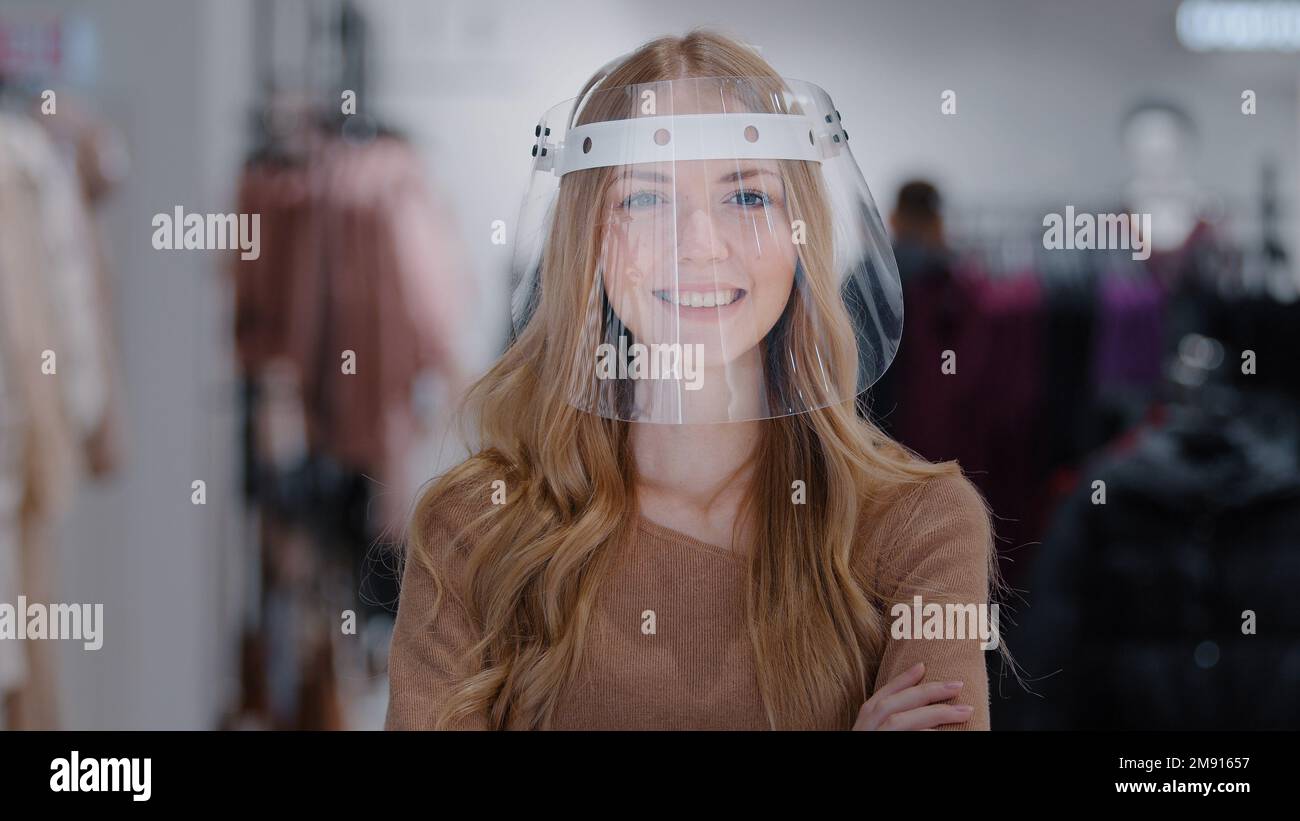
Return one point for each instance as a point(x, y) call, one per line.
point(721, 171)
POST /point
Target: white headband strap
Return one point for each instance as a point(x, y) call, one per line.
point(690, 137)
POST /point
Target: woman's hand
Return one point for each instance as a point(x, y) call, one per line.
point(903, 704)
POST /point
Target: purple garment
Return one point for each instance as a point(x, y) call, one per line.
point(1130, 333)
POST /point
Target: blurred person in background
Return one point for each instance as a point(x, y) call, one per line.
point(923, 256)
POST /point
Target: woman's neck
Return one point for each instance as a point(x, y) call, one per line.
point(694, 465)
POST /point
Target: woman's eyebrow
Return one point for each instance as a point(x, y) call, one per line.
point(652, 176)
point(746, 174)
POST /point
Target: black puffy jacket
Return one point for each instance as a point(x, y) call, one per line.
point(1138, 602)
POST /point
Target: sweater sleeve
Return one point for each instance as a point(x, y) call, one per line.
point(427, 656)
point(939, 550)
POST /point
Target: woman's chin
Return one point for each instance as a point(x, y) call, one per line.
point(705, 350)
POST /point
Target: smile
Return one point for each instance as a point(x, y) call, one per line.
point(702, 299)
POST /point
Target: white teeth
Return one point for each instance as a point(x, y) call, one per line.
point(699, 299)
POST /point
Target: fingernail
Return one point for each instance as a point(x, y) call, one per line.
point(917, 666)
point(965, 708)
point(954, 685)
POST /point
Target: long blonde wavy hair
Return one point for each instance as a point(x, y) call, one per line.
point(538, 561)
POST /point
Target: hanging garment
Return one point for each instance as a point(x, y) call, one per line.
point(44, 227)
point(50, 332)
point(1003, 450)
point(361, 286)
point(264, 287)
point(969, 389)
point(95, 150)
point(939, 310)
point(36, 439)
point(1267, 328)
point(1189, 276)
point(1071, 306)
point(359, 289)
point(1130, 339)
point(70, 281)
point(917, 263)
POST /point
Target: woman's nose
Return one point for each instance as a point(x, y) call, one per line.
point(697, 239)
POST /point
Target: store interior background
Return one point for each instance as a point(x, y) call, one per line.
point(1041, 90)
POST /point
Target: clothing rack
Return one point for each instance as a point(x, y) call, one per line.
point(1250, 243)
point(357, 260)
point(1061, 351)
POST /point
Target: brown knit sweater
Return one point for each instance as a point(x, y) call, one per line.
point(696, 670)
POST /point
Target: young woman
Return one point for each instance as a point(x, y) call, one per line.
point(675, 519)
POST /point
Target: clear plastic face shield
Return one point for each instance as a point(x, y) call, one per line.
point(704, 250)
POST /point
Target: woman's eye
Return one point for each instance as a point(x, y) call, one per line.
point(751, 198)
point(640, 199)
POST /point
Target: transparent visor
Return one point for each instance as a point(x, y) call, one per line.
point(703, 250)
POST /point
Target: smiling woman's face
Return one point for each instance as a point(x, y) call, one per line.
point(699, 251)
